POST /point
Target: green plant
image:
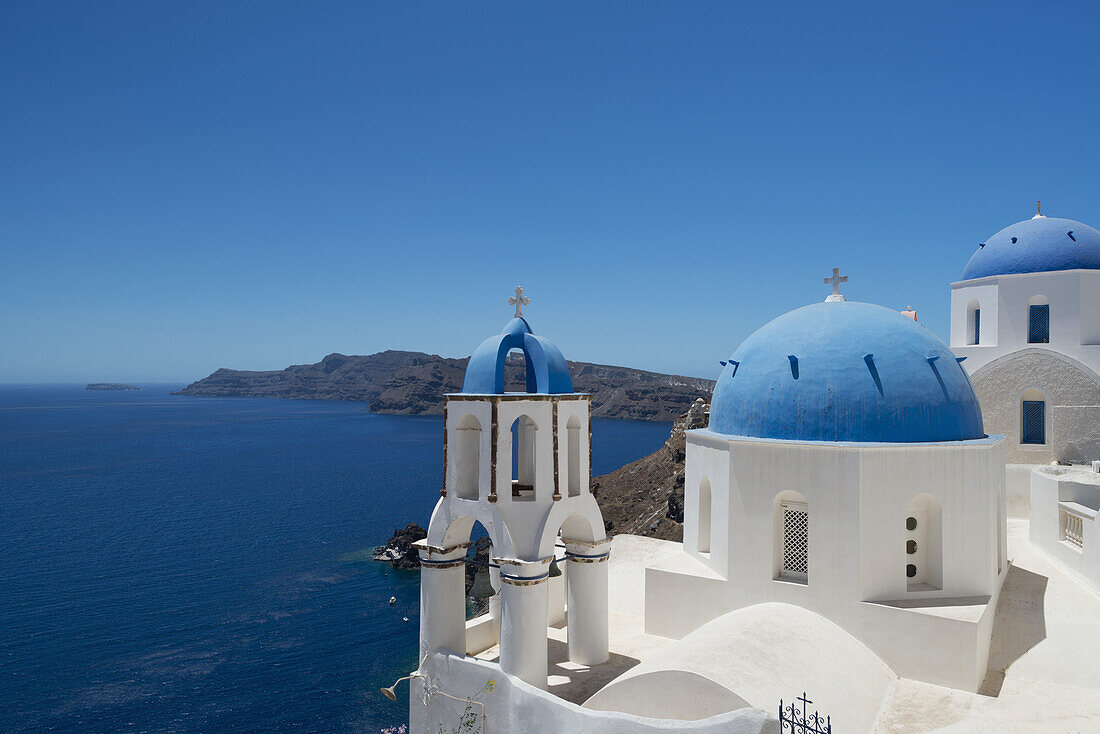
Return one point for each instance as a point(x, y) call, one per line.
point(471, 721)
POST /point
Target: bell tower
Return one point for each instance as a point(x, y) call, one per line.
point(518, 463)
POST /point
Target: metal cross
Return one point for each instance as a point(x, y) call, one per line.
point(803, 698)
point(520, 300)
point(835, 281)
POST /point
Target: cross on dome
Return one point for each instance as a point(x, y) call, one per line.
point(520, 300)
point(835, 280)
point(1039, 210)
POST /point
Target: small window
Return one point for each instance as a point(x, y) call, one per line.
point(1038, 324)
point(910, 547)
point(910, 570)
point(910, 524)
point(977, 336)
point(1033, 422)
point(796, 525)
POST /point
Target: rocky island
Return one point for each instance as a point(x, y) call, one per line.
point(413, 383)
point(110, 386)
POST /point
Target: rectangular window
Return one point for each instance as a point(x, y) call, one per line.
point(1032, 423)
point(977, 326)
point(1038, 324)
point(796, 522)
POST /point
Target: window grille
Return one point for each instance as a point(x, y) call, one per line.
point(1032, 424)
point(796, 522)
point(977, 326)
point(1038, 329)
point(1072, 529)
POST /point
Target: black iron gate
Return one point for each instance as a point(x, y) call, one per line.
point(795, 721)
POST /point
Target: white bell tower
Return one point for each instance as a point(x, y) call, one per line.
point(519, 463)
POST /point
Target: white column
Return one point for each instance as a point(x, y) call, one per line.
point(494, 601)
point(443, 601)
point(523, 621)
point(587, 602)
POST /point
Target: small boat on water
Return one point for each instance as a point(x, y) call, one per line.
point(393, 600)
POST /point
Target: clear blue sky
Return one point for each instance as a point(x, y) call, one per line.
point(189, 185)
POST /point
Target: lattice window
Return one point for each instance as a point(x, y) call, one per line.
point(1032, 423)
point(1072, 529)
point(1038, 324)
point(796, 524)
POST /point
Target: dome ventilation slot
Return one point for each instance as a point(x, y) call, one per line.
point(794, 365)
point(870, 360)
point(1014, 240)
point(1070, 235)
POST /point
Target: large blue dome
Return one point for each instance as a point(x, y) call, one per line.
point(845, 371)
point(1036, 245)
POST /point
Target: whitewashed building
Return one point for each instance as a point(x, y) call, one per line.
point(844, 526)
point(1026, 317)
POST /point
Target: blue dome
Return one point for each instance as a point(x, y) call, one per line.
point(547, 370)
point(1036, 245)
point(845, 371)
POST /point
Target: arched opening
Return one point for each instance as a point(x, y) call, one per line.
point(1038, 320)
point(791, 534)
point(515, 371)
point(523, 430)
point(573, 455)
point(467, 456)
point(702, 532)
point(924, 544)
point(1033, 418)
point(459, 586)
point(973, 322)
point(482, 576)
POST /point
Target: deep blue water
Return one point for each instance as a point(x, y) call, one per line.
point(174, 564)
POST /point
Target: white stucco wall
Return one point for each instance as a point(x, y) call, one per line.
point(1074, 297)
point(512, 707)
point(757, 655)
point(1070, 391)
point(858, 496)
point(1078, 491)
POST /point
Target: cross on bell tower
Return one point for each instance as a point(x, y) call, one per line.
point(519, 301)
point(835, 280)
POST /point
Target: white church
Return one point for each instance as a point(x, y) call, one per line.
point(854, 558)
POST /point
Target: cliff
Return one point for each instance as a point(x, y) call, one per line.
point(646, 497)
point(413, 383)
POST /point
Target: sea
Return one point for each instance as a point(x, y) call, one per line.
point(181, 564)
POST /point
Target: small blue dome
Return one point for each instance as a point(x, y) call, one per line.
point(547, 370)
point(1037, 245)
point(845, 371)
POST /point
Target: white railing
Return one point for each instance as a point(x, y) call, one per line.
point(1072, 529)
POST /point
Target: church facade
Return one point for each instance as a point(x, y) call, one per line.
point(1026, 316)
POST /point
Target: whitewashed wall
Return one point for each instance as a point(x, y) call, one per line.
point(858, 496)
point(1074, 297)
point(512, 707)
point(1049, 487)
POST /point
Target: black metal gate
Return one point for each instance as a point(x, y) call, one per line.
point(795, 721)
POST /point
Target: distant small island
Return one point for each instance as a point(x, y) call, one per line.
point(110, 386)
